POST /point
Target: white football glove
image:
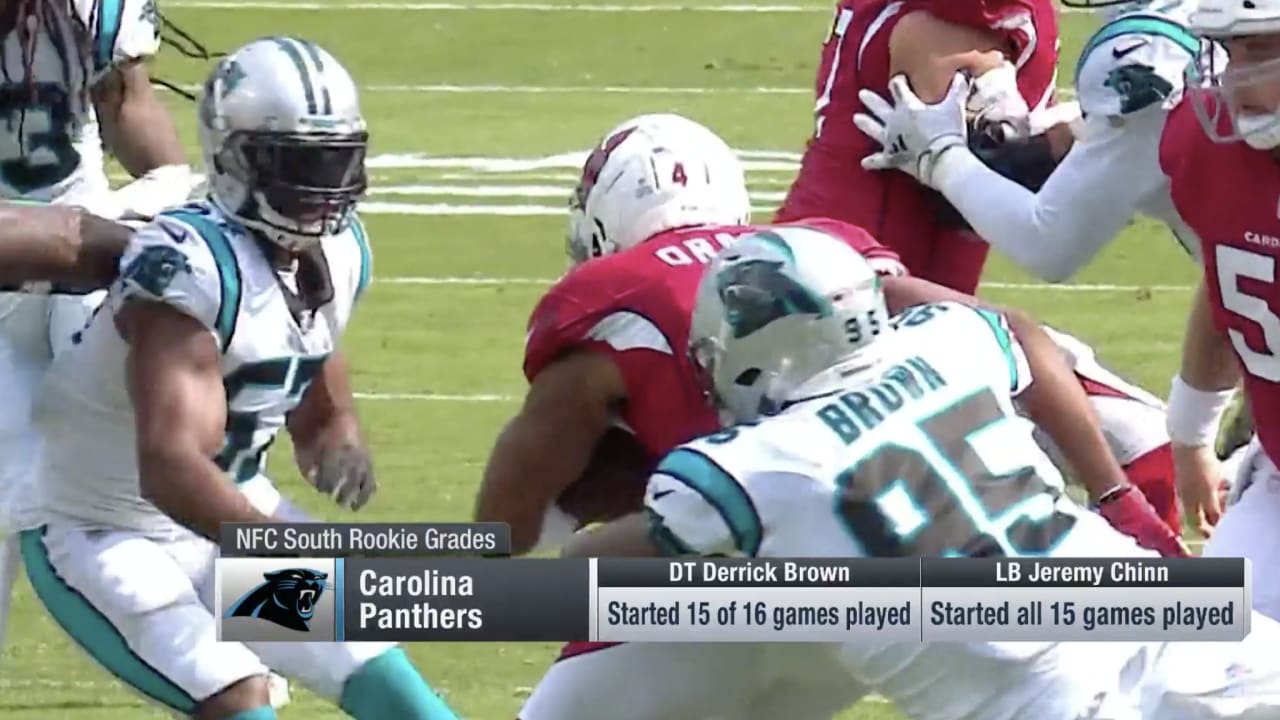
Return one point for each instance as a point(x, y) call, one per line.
point(161, 188)
point(914, 135)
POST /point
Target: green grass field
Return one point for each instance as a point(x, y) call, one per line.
point(477, 111)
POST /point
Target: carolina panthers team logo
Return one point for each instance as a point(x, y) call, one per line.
point(288, 598)
point(1138, 86)
point(757, 292)
point(154, 269)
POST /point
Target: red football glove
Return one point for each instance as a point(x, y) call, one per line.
point(1130, 513)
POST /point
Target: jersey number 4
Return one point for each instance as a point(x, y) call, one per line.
point(936, 497)
point(1233, 265)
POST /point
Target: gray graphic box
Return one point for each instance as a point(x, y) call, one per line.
point(243, 579)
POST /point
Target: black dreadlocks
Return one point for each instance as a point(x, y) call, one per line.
point(180, 40)
point(29, 19)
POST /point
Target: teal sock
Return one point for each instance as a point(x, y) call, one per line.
point(266, 712)
point(389, 687)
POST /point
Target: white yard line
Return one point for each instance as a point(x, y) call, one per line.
point(1040, 287)
point(488, 89)
point(514, 6)
point(501, 7)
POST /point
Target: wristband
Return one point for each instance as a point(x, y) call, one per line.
point(1193, 414)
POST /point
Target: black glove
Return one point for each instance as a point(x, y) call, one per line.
point(346, 475)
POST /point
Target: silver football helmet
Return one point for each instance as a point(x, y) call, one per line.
point(284, 141)
point(784, 314)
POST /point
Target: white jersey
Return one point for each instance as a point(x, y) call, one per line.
point(1129, 76)
point(199, 262)
point(925, 456)
point(1132, 419)
point(50, 149)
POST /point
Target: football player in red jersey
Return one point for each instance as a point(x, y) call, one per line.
point(1010, 46)
point(1221, 151)
point(606, 347)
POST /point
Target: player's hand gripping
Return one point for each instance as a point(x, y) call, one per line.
point(345, 474)
point(1130, 513)
point(1199, 480)
point(913, 134)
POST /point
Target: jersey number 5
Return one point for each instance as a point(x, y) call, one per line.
point(1233, 264)
point(936, 497)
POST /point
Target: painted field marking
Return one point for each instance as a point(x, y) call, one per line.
point(750, 9)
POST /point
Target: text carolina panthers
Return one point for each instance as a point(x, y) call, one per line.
point(395, 602)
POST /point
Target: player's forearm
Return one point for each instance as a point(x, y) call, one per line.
point(136, 126)
point(1208, 362)
point(1048, 233)
point(60, 244)
point(625, 537)
point(1203, 386)
point(191, 489)
point(1056, 403)
point(524, 475)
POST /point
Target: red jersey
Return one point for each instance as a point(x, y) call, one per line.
point(900, 212)
point(1227, 194)
point(636, 306)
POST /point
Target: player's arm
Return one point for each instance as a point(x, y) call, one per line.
point(1054, 400)
point(627, 536)
point(687, 512)
point(60, 244)
point(327, 443)
point(135, 124)
point(174, 378)
point(930, 51)
point(546, 447)
point(1199, 394)
point(1083, 205)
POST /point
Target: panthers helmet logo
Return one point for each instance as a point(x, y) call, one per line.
point(288, 598)
point(155, 268)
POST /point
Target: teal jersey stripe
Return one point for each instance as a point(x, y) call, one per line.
point(663, 539)
point(366, 255)
point(997, 324)
point(290, 47)
point(93, 631)
point(314, 53)
point(110, 16)
point(1140, 25)
point(721, 491)
point(228, 271)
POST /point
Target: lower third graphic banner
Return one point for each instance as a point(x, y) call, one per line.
point(731, 600)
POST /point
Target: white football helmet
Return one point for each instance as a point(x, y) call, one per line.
point(1226, 98)
point(283, 139)
point(651, 174)
point(782, 315)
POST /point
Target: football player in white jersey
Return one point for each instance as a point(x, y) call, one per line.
point(853, 434)
point(72, 70)
point(225, 325)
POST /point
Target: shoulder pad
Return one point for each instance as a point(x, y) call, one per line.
point(184, 259)
point(702, 505)
point(122, 30)
point(979, 330)
point(1132, 63)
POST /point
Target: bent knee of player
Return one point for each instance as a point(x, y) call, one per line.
point(245, 699)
